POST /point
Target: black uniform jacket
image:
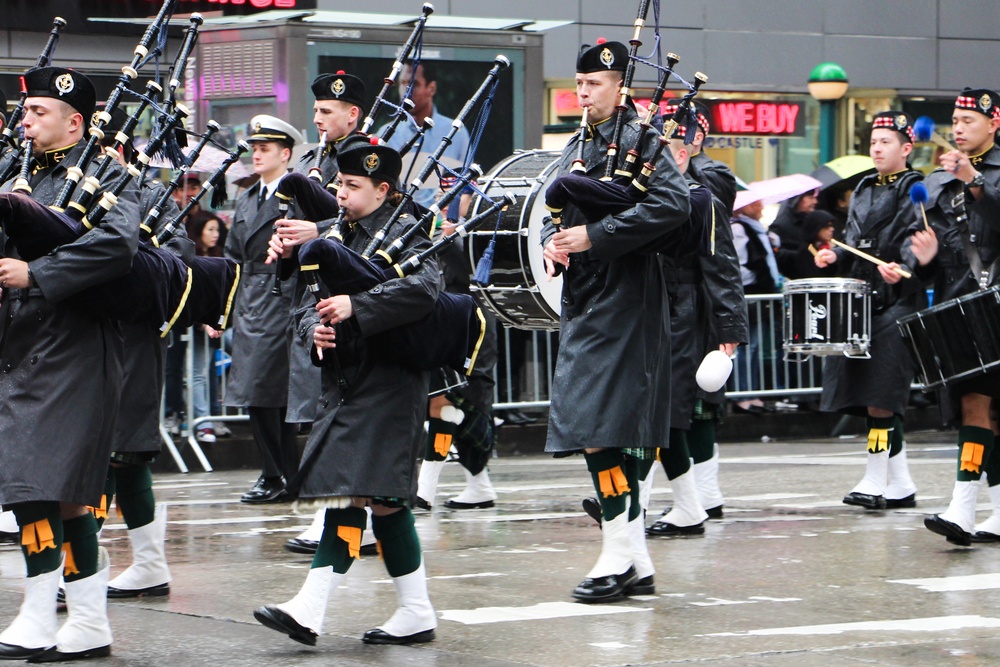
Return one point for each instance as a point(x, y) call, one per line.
point(878, 223)
point(707, 307)
point(61, 366)
point(138, 426)
point(950, 204)
point(366, 439)
point(611, 386)
point(715, 176)
point(303, 376)
point(261, 325)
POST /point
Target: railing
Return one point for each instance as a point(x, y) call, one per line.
point(526, 362)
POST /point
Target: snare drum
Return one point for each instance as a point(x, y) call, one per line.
point(520, 293)
point(956, 339)
point(828, 316)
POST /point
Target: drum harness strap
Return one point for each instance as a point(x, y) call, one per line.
point(979, 271)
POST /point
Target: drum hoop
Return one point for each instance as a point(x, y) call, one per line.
point(839, 285)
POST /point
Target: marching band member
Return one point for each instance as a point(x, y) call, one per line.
point(706, 310)
point(961, 252)
point(137, 431)
point(609, 382)
point(363, 449)
point(337, 111)
point(258, 378)
point(879, 217)
point(66, 362)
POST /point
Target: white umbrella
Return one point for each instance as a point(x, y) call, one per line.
point(776, 190)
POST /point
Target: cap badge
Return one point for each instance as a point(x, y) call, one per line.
point(371, 163)
point(900, 122)
point(607, 57)
point(256, 128)
point(338, 87)
point(65, 84)
point(985, 102)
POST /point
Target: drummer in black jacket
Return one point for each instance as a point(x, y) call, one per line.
point(878, 388)
point(964, 259)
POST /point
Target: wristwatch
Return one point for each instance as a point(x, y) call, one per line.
point(977, 181)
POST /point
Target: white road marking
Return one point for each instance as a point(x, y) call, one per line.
point(189, 485)
point(773, 496)
point(611, 645)
point(472, 575)
point(969, 582)
point(933, 624)
point(515, 517)
point(535, 612)
point(235, 519)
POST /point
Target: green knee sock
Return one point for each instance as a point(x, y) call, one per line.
point(880, 431)
point(136, 502)
point(701, 440)
point(80, 545)
point(397, 538)
point(341, 538)
point(991, 466)
point(101, 511)
point(41, 536)
point(440, 435)
point(896, 436)
point(636, 470)
point(974, 447)
point(608, 470)
point(676, 458)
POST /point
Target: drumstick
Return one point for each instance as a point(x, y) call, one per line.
point(919, 195)
point(813, 250)
point(875, 260)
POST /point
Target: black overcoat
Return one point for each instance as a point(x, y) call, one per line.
point(366, 440)
point(706, 299)
point(878, 223)
point(61, 366)
point(138, 425)
point(258, 376)
point(611, 385)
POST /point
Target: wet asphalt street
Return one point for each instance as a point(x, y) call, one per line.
point(790, 576)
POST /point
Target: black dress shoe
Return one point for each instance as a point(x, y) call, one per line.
point(642, 586)
point(714, 512)
point(274, 618)
point(55, 655)
point(299, 546)
point(378, 636)
point(592, 507)
point(951, 531)
point(666, 529)
point(983, 537)
point(605, 589)
point(10, 537)
point(369, 549)
point(517, 418)
point(455, 505)
point(866, 500)
point(153, 591)
point(15, 652)
point(420, 503)
point(266, 490)
point(901, 503)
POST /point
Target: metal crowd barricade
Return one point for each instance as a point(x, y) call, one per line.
point(524, 378)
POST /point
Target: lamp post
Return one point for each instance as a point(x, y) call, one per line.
point(827, 83)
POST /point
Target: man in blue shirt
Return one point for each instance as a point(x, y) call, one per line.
point(422, 96)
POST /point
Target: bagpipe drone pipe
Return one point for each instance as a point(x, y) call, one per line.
point(160, 289)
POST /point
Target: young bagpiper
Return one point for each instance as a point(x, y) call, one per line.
point(364, 446)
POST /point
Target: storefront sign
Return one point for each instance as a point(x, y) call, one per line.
point(754, 117)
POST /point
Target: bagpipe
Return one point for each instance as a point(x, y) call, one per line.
point(622, 188)
point(160, 289)
point(8, 139)
point(415, 39)
point(450, 335)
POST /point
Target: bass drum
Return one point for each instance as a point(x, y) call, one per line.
point(520, 293)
